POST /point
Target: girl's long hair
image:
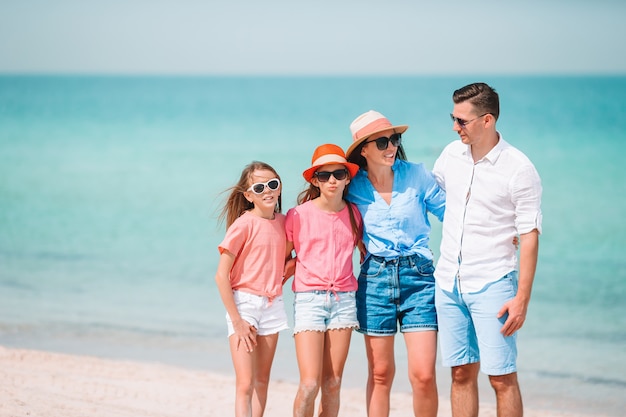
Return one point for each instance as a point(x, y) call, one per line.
point(312, 192)
point(236, 203)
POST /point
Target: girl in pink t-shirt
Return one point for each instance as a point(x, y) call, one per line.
point(249, 278)
point(323, 230)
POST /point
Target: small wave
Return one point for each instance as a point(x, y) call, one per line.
point(45, 255)
point(582, 378)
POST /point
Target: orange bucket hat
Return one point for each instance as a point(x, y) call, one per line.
point(329, 154)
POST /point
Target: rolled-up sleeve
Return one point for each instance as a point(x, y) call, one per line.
point(435, 198)
point(526, 197)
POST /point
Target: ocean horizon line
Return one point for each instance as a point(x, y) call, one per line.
point(177, 75)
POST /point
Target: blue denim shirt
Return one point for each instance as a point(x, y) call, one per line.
point(402, 227)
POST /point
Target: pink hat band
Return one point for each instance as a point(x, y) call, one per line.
point(372, 127)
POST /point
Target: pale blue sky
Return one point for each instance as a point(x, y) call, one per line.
point(313, 37)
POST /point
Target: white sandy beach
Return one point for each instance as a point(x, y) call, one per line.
point(36, 383)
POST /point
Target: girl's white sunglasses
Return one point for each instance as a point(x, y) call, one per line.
point(259, 187)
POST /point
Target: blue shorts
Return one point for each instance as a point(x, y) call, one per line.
point(400, 290)
point(470, 330)
point(323, 310)
point(268, 318)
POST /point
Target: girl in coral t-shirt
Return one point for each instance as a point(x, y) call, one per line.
point(249, 278)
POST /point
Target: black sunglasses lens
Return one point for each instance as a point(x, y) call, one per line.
point(340, 174)
point(273, 185)
point(382, 143)
point(396, 139)
point(460, 122)
point(322, 176)
point(258, 188)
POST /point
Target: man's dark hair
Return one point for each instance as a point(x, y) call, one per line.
point(481, 96)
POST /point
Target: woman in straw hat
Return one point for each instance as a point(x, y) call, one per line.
point(396, 284)
point(324, 230)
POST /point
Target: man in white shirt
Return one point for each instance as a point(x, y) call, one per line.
point(493, 194)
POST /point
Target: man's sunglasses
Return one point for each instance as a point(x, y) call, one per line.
point(259, 187)
point(382, 143)
point(339, 174)
point(462, 123)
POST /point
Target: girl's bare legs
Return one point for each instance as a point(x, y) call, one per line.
point(309, 352)
point(243, 363)
point(421, 354)
point(336, 346)
point(381, 371)
point(321, 360)
point(252, 372)
point(265, 350)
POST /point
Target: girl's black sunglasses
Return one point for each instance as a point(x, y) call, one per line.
point(323, 176)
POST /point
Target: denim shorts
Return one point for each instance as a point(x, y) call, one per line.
point(392, 291)
point(470, 330)
point(268, 318)
point(324, 310)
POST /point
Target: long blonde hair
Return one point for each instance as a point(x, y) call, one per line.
point(236, 204)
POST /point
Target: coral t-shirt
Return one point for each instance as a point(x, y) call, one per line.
point(324, 245)
point(259, 247)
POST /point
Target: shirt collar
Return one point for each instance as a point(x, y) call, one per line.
point(493, 154)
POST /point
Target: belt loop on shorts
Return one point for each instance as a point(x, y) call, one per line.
point(411, 259)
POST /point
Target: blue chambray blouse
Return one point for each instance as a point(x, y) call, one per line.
point(401, 228)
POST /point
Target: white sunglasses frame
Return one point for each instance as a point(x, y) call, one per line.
point(265, 186)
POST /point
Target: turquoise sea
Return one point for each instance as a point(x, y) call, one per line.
point(110, 189)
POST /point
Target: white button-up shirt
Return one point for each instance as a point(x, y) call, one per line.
point(487, 204)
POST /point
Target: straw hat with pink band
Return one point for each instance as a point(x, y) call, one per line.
point(328, 154)
point(368, 124)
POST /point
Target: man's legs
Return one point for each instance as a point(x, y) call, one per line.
point(459, 350)
point(508, 396)
point(464, 391)
point(498, 353)
point(470, 339)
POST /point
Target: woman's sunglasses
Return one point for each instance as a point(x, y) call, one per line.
point(339, 174)
point(259, 187)
point(382, 143)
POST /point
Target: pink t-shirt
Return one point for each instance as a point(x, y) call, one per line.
point(259, 247)
point(324, 246)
